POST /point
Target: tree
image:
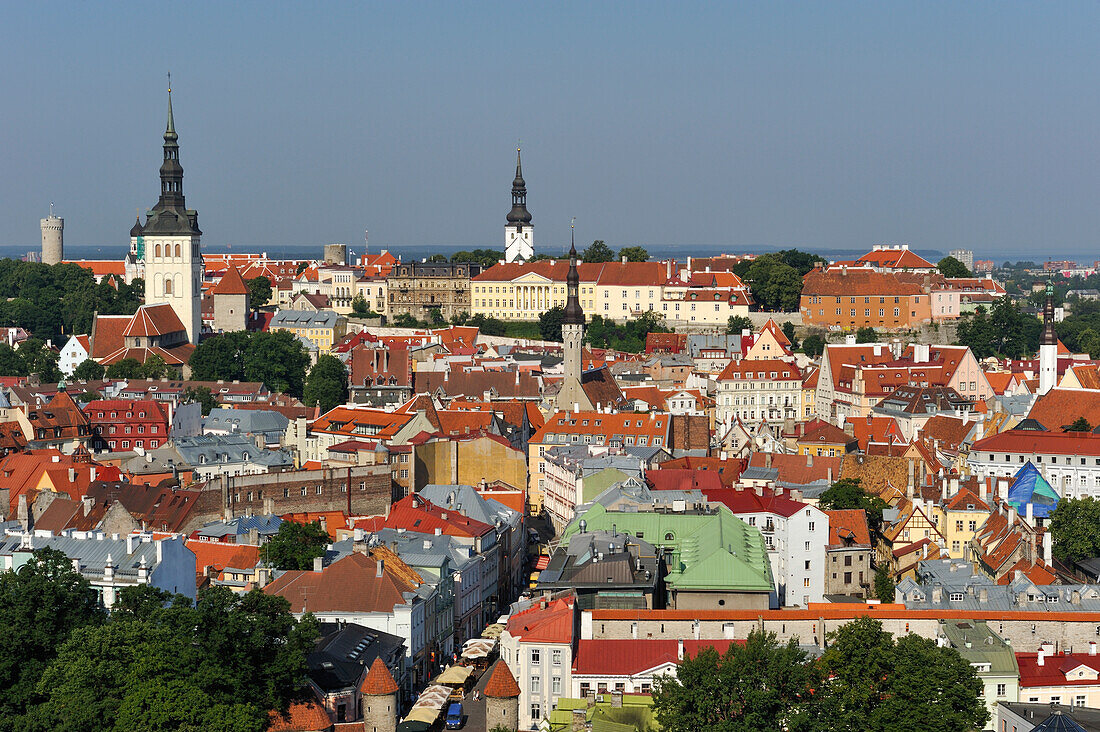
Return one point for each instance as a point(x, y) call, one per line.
point(11, 363)
point(154, 367)
point(597, 251)
point(220, 664)
point(879, 685)
point(1073, 528)
point(866, 334)
point(88, 370)
point(126, 368)
point(802, 262)
point(488, 325)
point(761, 685)
point(485, 257)
point(220, 357)
point(259, 291)
point(438, 259)
point(788, 329)
point(976, 331)
point(202, 396)
point(277, 359)
point(435, 315)
point(1079, 425)
point(847, 493)
point(38, 358)
point(41, 604)
point(813, 345)
point(738, 323)
point(302, 267)
point(775, 285)
point(406, 320)
point(634, 254)
point(951, 267)
point(359, 304)
point(327, 383)
point(884, 584)
point(550, 324)
point(296, 545)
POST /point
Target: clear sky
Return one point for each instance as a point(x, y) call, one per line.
point(819, 124)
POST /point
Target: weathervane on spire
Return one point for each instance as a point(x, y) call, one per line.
point(169, 82)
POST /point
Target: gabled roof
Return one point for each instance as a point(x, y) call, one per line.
point(895, 258)
point(552, 623)
point(350, 584)
point(848, 527)
point(154, 320)
point(1060, 407)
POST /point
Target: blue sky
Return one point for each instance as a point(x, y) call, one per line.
point(819, 125)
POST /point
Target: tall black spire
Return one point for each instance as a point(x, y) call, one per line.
point(1049, 336)
point(170, 215)
point(573, 313)
point(519, 214)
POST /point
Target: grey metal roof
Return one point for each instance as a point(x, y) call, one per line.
point(240, 525)
point(245, 421)
point(304, 319)
point(344, 651)
point(227, 449)
point(466, 500)
point(974, 591)
point(91, 549)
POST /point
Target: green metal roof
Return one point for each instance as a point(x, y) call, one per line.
point(985, 646)
point(711, 551)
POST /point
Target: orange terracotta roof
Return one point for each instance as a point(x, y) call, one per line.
point(896, 258)
point(502, 684)
point(848, 525)
point(231, 283)
point(379, 680)
point(746, 369)
point(106, 336)
point(1000, 380)
point(301, 717)
point(101, 267)
point(154, 320)
point(855, 282)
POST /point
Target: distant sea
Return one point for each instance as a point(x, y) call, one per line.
point(313, 251)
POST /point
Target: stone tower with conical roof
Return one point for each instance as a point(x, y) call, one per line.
point(231, 302)
point(519, 234)
point(170, 242)
point(379, 692)
point(501, 699)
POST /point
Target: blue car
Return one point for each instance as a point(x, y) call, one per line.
point(454, 715)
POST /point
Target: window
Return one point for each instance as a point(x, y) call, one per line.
point(1002, 689)
point(536, 684)
point(805, 581)
point(555, 656)
point(536, 656)
point(956, 597)
point(811, 526)
point(536, 711)
point(555, 685)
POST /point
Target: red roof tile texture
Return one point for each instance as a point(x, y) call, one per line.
point(502, 684)
point(379, 681)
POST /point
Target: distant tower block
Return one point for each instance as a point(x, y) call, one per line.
point(53, 235)
point(336, 253)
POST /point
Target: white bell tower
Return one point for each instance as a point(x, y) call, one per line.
point(519, 234)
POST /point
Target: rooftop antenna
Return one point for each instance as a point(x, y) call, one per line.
point(51, 209)
point(169, 82)
point(366, 242)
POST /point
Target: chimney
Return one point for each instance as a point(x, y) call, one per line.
point(1092, 648)
point(1048, 547)
point(72, 475)
point(1040, 660)
point(1030, 514)
point(379, 568)
point(983, 594)
point(809, 460)
point(767, 460)
point(88, 504)
point(318, 564)
point(680, 649)
point(945, 489)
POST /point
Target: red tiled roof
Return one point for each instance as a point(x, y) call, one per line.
point(1054, 669)
point(856, 281)
point(301, 717)
point(101, 267)
point(746, 501)
point(1062, 406)
point(875, 429)
point(502, 684)
point(896, 258)
point(649, 425)
point(349, 584)
point(231, 283)
point(728, 471)
point(799, 469)
point(220, 555)
point(550, 624)
point(1044, 443)
point(379, 681)
point(759, 369)
point(154, 320)
point(848, 525)
point(626, 657)
point(667, 479)
point(416, 513)
point(106, 336)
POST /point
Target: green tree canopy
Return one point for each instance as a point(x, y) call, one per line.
point(296, 545)
point(485, 257)
point(813, 345)
point(1073, 527)
point(1004, 331)
point(629, 336)
point(634, 254)
point(488, 325)
point(327, 383)
point(38, 358)
point(761, 686)
point(202, 396)
point(41, 604)
point(278, 359)
point(775, 285)
point(259, 291)
point(884, 584)
point(154, 367)
point(438, 258)
point(877, 684)
point(738, 323)
point(597, 251)
point(951, 267)
point(126, 368)
point(789, 331)
point(847, 493)
point(1079, 425)
point(550, 324)
point(360, 307)
point(867, 334)
point(88, 370)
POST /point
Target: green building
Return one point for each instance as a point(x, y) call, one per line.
point(991, 656)
point(714, 559)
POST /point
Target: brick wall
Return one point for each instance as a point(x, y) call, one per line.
point(295, 491)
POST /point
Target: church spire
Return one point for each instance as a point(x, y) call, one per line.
point(171, 172)
point(1049, 336)
point(573, 313)
point(519, 214)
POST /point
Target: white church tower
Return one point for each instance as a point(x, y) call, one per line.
point(169, 242)
point(572, 394)
point(1048, 346)
point(519, 235)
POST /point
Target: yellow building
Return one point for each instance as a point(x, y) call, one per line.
point(615, 290)
point(322, 328)
point(959, 517)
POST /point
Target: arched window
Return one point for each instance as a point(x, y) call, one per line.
point(168, 285)
point(177, 249)
point(157, 250)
